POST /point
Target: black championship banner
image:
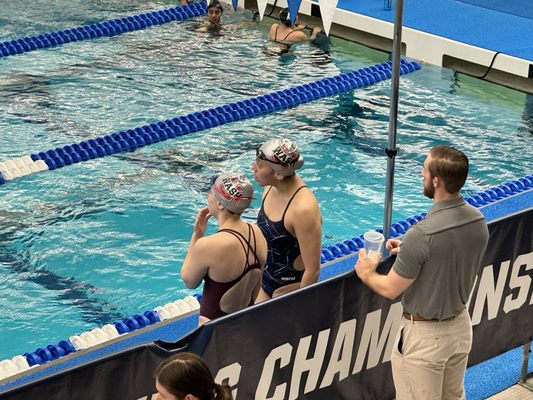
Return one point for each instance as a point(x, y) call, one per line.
point(501, 304)
point(329, 341)
point(120, 376)
point(332, 340)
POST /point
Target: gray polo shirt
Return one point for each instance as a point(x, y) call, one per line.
point(443, 253)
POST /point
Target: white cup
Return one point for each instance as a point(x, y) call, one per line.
point(373, 242)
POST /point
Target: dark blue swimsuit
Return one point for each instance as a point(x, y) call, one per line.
point(283, 249)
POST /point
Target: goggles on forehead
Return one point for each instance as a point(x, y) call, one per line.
point(227, 195)
point(260, 155)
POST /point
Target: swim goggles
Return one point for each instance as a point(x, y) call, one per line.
point(260, 155)
point(227, 195)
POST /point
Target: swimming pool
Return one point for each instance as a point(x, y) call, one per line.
point(87, 244)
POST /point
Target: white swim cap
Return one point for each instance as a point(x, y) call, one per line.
point(234, 192)
point(282, 155)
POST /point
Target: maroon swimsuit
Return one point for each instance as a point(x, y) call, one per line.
point(213, 291)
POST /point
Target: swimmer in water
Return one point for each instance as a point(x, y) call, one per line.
point(284, 34)
point(214, 16)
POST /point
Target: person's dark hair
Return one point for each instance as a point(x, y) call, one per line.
point(187, 373)
point(215, 4)
point(284, 17)
point(450, 165)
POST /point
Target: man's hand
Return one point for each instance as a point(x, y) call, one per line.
point(200, 224)
point(393, 246)
point(366, 265)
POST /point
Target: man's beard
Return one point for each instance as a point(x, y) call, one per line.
point(429, 191)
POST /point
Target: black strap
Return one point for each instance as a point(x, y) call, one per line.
point(253, 247)
point(391, 153)
point(290, 201)
point(242, 241)
point(284, 39)
point(264, 198)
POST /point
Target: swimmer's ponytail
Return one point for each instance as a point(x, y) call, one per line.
point(222, 392)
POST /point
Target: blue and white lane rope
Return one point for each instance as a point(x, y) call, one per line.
point(108, 28)
point(132, 139)
point(481, 199)
point(97, 336)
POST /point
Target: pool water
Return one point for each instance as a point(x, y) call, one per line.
point(84, 245)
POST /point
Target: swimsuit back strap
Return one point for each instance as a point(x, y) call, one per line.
point(241, 240)
point(253, 247)
point(294, 30)
point(290, 201)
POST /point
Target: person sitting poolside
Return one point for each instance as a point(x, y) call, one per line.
point(231, 260)
point(284, 34)
point(289, 219)
point(214, 16)
point(185, 2)
point(186, 376)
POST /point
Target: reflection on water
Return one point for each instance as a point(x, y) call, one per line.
point(528, 115)
point(21, 263)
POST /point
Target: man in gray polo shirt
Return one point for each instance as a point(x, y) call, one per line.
point(436, 265)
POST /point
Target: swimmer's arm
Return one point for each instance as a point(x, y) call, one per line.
point(308, 231)
point(203, 27)
point(196, 263)
point(299, 36)
point(272, 33)
point(315, 32)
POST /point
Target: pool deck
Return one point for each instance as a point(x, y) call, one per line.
point(465, 35)
point(516, 392)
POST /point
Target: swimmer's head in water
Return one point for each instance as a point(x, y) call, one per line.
point(233, 191)
point(285, 17)
point(282, 156)
point(214, 11)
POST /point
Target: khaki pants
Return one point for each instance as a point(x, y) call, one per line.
point(429, 358)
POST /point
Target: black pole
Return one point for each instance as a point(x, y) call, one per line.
point(393, 116)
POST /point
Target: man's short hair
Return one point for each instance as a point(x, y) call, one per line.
point(450, 165)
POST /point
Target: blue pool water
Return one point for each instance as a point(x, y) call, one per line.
point(87, 244)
